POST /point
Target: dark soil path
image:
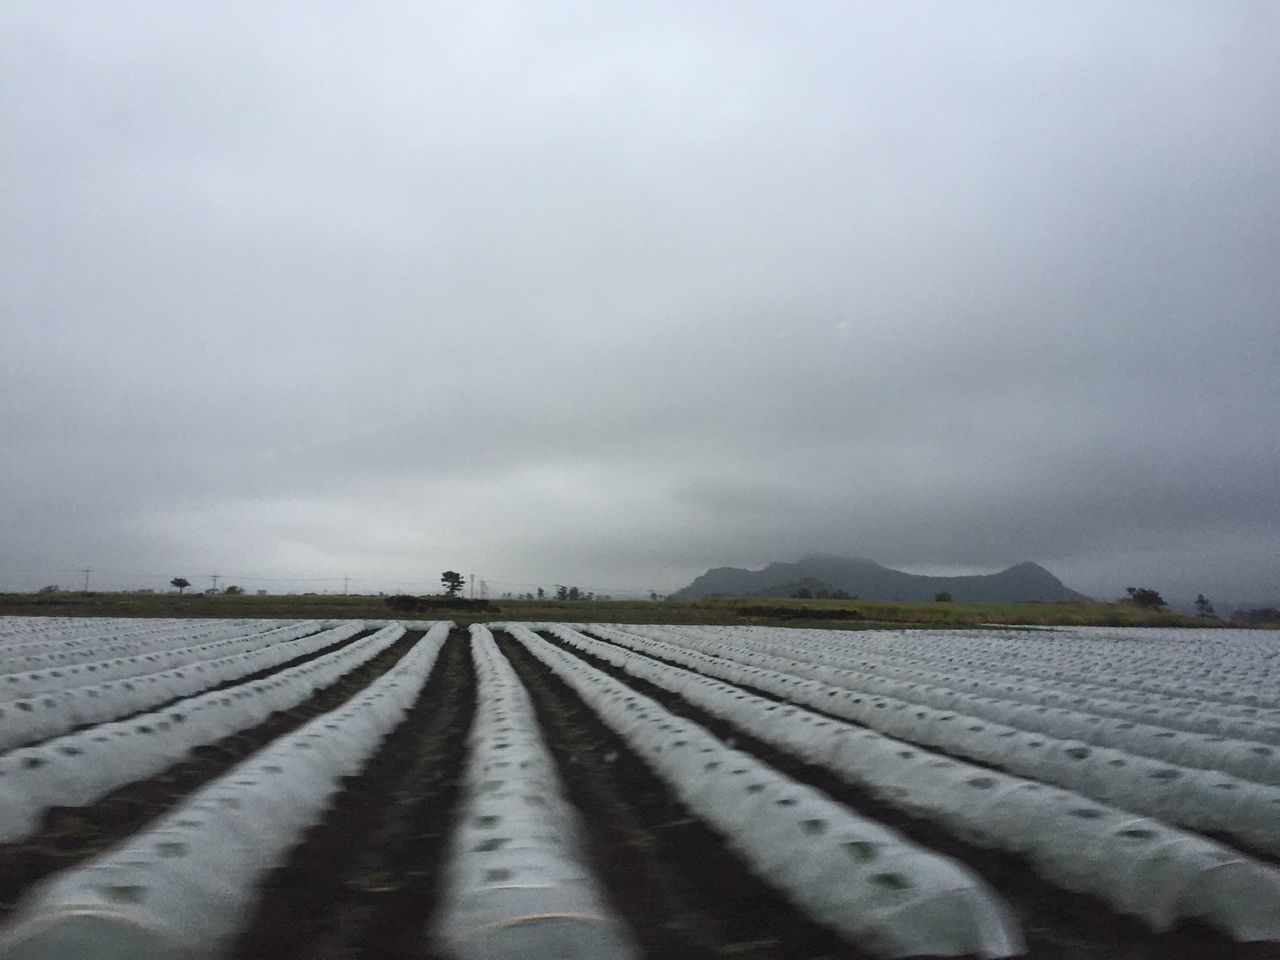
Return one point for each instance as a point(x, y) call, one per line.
point(246, 678)
point(365, 882)
point(1058, 924)
point(70, 835)
point(683, 892)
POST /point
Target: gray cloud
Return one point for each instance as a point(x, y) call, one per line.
point(609, 296)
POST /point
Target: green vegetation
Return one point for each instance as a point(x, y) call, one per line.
point(1145, 597)
point(897, 613)
point(836, 613)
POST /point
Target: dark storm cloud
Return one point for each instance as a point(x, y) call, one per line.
point(576, 294)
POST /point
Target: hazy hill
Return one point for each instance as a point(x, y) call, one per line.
point(871, 581)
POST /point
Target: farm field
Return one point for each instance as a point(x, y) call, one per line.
point(781, 611)
point(338, 788)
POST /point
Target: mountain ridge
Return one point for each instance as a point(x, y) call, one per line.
point(869, 580)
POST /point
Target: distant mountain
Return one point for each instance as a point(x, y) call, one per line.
point(868, 580)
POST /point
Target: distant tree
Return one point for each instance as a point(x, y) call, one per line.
point(943, 596)
point(541, 594)
point(562, 592)
point(574, 593)
point(1203, 607)
point(653, 595)
point(403, 603)
point(804, 593)
point(1146, 598)
point(51, 588)
point(233, 591)
point(452, 581)
point(181, 583)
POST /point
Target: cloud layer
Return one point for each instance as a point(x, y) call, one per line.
point(571, 294)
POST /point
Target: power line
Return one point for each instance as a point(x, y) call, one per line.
point(346, 580)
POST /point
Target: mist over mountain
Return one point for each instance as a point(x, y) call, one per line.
point(868, 580)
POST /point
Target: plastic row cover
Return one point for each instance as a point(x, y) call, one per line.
point(80, 767)
point(1247, 760)
point(517, 887)
point(1195, 716)
point(1240, 758)
point(1004, 659)
point(995, 667)
point(183, 888)
point(69, 633)
point(868, 882)
point(1139, 866)
point(1123, 654)
point(1228, 666)
point(1201, 799)
point(37, 718)
point(33, 682)
point(143, 644)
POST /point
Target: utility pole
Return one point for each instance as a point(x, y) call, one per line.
point(345, 581)
point(86, 571)
point(215, 583)
point(484, 589)
point(473, 586)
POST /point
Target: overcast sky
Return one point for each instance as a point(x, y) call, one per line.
point(606, 294)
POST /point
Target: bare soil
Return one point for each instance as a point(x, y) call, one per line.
point(1058, 924)
point(70, 835)
point(684, 893)
point(365, 882)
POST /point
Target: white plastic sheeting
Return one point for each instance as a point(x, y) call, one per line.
point(875, 887)
point(1058, 702)
point(80, 767)
point(183, 888)
point(1138, 865)
point(14, 686)
point(49, 714)
point(516, 884)
point(144, 638)
point(1196, 798)
point(1233, 671)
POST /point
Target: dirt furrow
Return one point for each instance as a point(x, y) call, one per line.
point(246, 678)
point(70, 835)
point(364, 883)
point(685, 894)
point(1059, 925)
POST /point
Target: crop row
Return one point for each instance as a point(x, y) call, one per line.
point(80, 767)
point(126, 685)
point(910, 662)
point(1138, 865)
point(1202, 796)
point(182, 886)
point(52, 653)
point(521, 874)
point(1208, 666)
